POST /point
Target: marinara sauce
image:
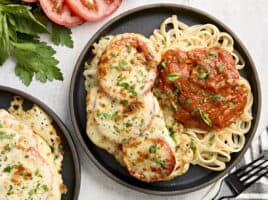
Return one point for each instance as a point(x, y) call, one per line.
point(202, 87)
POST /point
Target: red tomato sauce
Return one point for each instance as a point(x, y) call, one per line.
point(202, 87)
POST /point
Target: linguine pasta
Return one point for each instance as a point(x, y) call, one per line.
point(212, 149)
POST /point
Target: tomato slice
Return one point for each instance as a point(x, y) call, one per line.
point(58, 12)
point(30, 1)
point(93, 10)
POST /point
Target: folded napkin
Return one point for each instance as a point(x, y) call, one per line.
point(259, 190)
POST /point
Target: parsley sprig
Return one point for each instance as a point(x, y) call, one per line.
point(20, 26)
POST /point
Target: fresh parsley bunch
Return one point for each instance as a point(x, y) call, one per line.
point(20, 25)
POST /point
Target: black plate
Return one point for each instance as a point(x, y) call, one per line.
point(71, 166)
point(144, 20)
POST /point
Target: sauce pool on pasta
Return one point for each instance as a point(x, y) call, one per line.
point(202, 85)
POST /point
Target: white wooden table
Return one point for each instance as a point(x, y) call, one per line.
point(247, 18)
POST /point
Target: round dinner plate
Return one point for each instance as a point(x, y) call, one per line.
point(71, 166)
point(144, 20)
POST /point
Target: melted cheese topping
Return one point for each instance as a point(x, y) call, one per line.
point(24, 174)
point(127, 121)
point(127, 67)
point(32, 143)
point(121, 121)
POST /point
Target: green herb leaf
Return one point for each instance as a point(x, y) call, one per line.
point(200, 68)
point(4, 39)
point(173, 76)
point(223, 100)
point(211, 138)
point(22, 20)
point(124, 101)
point(6, 136)
point(196, 110)
point(8, 1)
point(212, 52)
point(35, 58)
point(8, 169)
point(61, 35)
point(214, 97)
point(160, 162)
point(163, 64)
point(188, 101)
point(172, 134)
point(205, 117)
point(128, 87)
point(153, 148)
point(203, 75)
point(44, 187)
point(122, 64)
point(220, 68)
point(231, 105)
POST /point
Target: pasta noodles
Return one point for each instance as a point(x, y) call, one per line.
point(212, 149)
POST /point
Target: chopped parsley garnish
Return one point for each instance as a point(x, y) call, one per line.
point(128, 124)
point(211, 138)
point(173, 76)
point(9, 146)
point(153, 148)
point(6, 136)
point(174, 106)
point(220, 68)
point(9, 192)
point(205, 117)
point(107, 116)
point(203, 75)
point(44, 187)
point(128, 50)
point(214, 97)
point(223, 100)
point(231, 105)
point(172, 134)
point(124, 101)
point(200, 68)
point(188, 101)
point(140, 58)
point(8, 169)
point(163, 64)
point(128, 87)
point(142, 123)
point(37, 173)
point(114, 56)
point(160, 162)
point(196, 110)
point(212, 52)
point(122, 64)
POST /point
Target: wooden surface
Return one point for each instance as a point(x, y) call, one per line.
point(247, 18)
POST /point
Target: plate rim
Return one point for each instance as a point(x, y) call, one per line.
point(62, 127)
point(77, 67)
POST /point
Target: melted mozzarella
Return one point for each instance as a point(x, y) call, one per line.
point(24, 174)
point(92, 130)
point(118, 121)
point(127, 67)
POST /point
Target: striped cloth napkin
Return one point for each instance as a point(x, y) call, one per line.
point(259, 190)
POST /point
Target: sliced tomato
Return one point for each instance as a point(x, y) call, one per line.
point(93, 10)
point(58, 12)
point(30, 1)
